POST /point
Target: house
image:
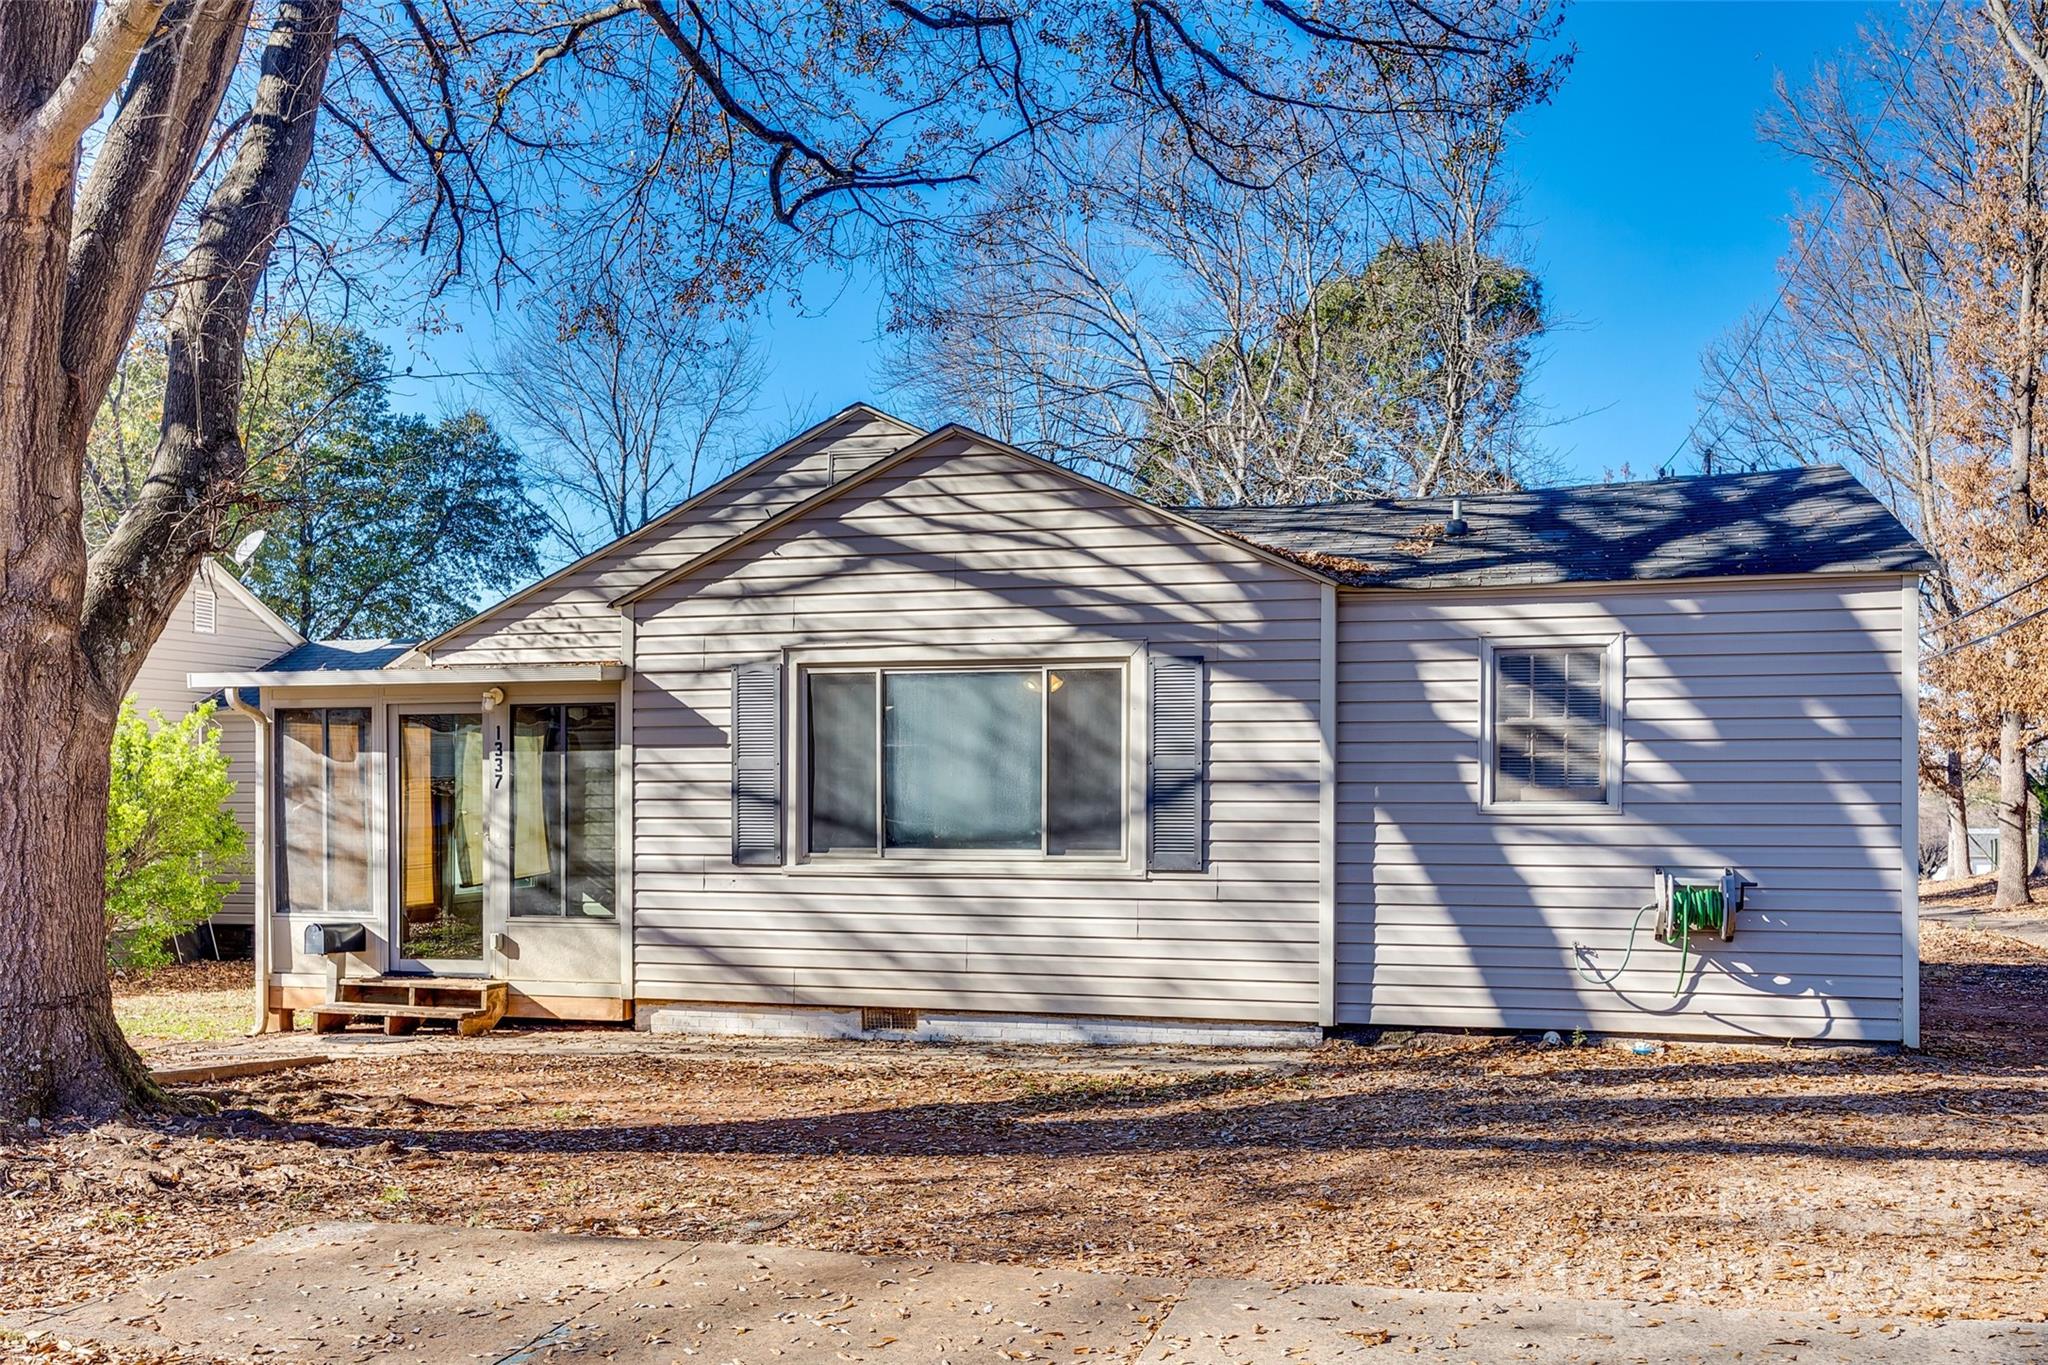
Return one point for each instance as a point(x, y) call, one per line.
point(912, 730)
point(218, 623)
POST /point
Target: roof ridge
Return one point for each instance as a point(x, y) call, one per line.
point(1617, 485)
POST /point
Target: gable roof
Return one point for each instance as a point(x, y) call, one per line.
point(666, 519)
point(924, 445)
point(219, 575)
point(337, 656)
point(1805, 520)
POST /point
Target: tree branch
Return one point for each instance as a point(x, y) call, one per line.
point(50, 138)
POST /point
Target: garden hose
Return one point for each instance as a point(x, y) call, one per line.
point(1626, 952)
point(1693, 907)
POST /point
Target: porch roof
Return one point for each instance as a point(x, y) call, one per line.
point(483, 674)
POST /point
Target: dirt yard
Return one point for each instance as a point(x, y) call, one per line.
point(1847, 1181)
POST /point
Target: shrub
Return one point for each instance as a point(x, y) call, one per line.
point(174, 852)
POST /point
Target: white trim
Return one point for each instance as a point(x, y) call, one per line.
point(1909, 813)
point(689, 504)
point(1326, 818)
point(629, 814)
point(973, 440)
point(401, 677)
point(1612, 708)
point(225, 578)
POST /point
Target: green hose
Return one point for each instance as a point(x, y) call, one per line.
point(1693, 907)
point(1626, 953)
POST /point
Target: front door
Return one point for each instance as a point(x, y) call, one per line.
point(439, 905)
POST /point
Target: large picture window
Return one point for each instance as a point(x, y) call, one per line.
point(324, 811)
point(997, 760)
point(564, 796)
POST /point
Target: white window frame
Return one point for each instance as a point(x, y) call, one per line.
point(799, 770)
point(1611, 710)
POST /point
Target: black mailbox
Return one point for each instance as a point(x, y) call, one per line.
point(324, 939)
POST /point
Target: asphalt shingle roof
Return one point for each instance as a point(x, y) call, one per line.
point(330, 655)
point(1815, 519)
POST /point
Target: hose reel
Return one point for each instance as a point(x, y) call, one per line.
point(1687, 904)
point(1690, 903)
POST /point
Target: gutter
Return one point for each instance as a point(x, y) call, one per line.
point(260, 871)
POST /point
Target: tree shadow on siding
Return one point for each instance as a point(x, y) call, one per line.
point(1741, 751)
point(911, 569)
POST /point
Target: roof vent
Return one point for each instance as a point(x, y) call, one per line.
point(1456, 526)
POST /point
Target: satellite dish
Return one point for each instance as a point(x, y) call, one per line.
point(246, 548)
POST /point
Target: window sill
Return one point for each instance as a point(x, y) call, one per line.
point(1038, 869)
point(1581, 810)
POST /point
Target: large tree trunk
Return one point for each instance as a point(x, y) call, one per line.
point(72, 272)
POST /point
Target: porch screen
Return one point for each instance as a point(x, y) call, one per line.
point(564, 792)
point(323, 811)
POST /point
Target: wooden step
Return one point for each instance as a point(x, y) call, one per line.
point(473, 1004)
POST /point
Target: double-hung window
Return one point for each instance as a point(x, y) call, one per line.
point(1007, 761)
point(1550, 726)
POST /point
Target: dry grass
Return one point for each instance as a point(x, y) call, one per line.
point(1844, 1180)
point(191, 1002)
point(1978, 893)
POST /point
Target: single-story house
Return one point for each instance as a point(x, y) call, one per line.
point(912, 729)
point(218, 623)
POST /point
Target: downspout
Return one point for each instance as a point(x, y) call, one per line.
point(261, 869)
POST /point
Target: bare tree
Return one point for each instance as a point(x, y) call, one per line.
point(1332, 335)
point(495, 141)
point(1851, 365)
point(624, 406)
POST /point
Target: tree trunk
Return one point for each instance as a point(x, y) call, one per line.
point(2013, 860)
point(57, 1030)
point(73, 633)
point(1957, 799)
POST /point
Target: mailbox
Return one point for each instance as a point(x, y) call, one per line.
point(323, 940)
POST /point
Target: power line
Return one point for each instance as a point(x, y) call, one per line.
point(1884, 112)
point(2013, 624)
point(1986, 606)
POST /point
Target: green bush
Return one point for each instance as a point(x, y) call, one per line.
point(174, 853)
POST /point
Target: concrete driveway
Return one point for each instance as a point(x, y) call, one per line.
point(388, 1291)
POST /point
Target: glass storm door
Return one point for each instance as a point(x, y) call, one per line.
point(441, 849)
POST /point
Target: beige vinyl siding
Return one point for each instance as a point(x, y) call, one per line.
point(241, 639)
point(968, 553)
point(571, 619)
point(1761, 727)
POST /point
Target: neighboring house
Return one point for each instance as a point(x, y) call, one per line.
point(217, 624)
point(916, 722)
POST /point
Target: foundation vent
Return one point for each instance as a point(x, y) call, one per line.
point(887, 1019)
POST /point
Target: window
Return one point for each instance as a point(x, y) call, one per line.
point(1550, 739)
point(564, 795)
point(999, 760)
point(205, 609)
point(323, 811)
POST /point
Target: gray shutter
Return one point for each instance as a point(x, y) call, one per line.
point(1176, 790)
point(757, 764)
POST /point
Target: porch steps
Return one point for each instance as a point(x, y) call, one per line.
point(472, 1004)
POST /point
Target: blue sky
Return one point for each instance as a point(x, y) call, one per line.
point(1651, 211)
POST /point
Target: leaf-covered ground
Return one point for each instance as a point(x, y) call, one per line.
point(1842, 1180)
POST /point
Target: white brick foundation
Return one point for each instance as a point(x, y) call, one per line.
point(1044, 1030)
